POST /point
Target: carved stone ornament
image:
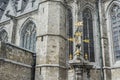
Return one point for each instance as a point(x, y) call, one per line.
point(115, 12)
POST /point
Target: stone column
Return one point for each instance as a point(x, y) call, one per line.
point(105, 57)
point(51, 42)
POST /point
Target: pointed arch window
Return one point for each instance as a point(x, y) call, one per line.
point(28, 36)
point(3, 36)
point(115, 29)
point(88, 34)
point(70, 31)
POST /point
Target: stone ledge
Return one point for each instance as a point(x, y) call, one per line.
point(57, 35)
point(51, 65)
point(14, 62)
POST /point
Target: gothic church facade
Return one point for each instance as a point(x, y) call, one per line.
point(34, 38)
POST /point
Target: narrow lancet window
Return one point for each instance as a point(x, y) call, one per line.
point(70, 32)
point(88, 34)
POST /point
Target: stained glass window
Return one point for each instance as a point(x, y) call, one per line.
point(115, 26)
point(88, 34)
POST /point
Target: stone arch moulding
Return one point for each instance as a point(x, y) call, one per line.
point(110, 31)
point(111, 4)
point(90, 6)
point(27, 21)
point(28, 35)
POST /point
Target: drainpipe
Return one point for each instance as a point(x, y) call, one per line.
point(33, 67)
point(98, 7)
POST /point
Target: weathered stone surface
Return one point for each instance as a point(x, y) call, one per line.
point(115, 74)
point(17, 54)
point(95, 75)
point(108, 74)
point(9, 71)
point(15, 63)
point(51, 55)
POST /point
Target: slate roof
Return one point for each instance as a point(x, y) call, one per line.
point(3, 5)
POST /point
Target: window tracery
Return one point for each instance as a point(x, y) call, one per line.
point(29, 36)
point(115, 26)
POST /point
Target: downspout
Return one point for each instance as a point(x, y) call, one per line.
point(33, 67)
point(98, 7)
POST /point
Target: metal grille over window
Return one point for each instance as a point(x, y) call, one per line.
point(28, 36)
point(115, 20)
point(88, 34)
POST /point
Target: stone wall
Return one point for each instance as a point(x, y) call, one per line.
point(15, 63)
point(115, 74)
point(71, 74)
point(94, 75)
point(51, 42)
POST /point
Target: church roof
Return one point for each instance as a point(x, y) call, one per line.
point(3, 5)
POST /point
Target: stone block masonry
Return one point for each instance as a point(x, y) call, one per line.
point(15, 63)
